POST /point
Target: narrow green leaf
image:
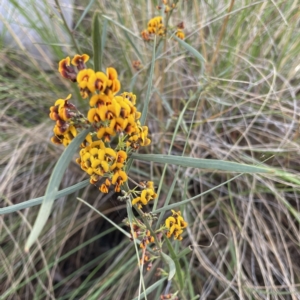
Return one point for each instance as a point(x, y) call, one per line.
point(96, 36)
point(52, 188)
point(150, 289)
point(148, 94)
point(133, 45)
point(184, 252)
point(170, 262)
point(177, 265)
point(87, 9)
point(168, 198)
point(211, 164)
point(105, 217)
point(103, 38)
point(190, 49)
point(39, 200)
point(174, 205)
point(121, 26)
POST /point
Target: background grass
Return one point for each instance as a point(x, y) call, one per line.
point(241, 105)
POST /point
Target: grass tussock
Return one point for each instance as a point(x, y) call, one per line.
point(237, 101)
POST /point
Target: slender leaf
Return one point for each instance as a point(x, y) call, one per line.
point(133, 45)
point(191, 49)
point(52, 188)
point(87, 9)
point(121, 26)
point(174, 205)
point(177, 265)
point(168, 198)
point(103, 39)
point(39, 200)
point(211, 164)
point(151, 288)
point(96, 36)
point(184, 252)
point(170, 262)
point(106, 218)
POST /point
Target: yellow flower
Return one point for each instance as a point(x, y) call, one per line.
point(97, 81)
point(150, 185)
point(155, 22)
point(180, 34)
point(121, 156)
point(118, 124)
point(84, 76)
point(94, 178)
point(64, 108)
point(125, 108)
point(118, 179)
point(155, 26)
point(93, 115)
point(130, 96)
point(170, 221)
point(111, 111)
point(106, 133)
point(175, 224)
point(100, 167)
point(113, 84)
point(147, 195)
point(110, 154)
point(89, 138)
point(103, 188)
point(99, 100)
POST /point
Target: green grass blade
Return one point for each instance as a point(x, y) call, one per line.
point(190, 49)
point(121, 26)
point(174, 205)
point(96, 37)
point(168, 198)
point(170, 262)
point(133, 45)
point(150, 289)
point(210, 164)
point(148, 94)
point(52, 188)
point(177, 265)
point(103, 38)
point(39, 200)
point(106, 218)
point(184, 252)
point(87, 9)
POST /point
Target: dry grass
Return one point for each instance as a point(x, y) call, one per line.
point(244, 235)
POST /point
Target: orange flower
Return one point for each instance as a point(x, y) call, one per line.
point(79, 61)
point(66, 70)
point(180, 34)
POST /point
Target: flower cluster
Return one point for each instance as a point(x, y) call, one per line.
point(155, 27)
point(179, 33)
point(140, 230)
point(64, 130)
point(175, 224)
point(169, 296)
point(112, 118)
point(146, 195)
